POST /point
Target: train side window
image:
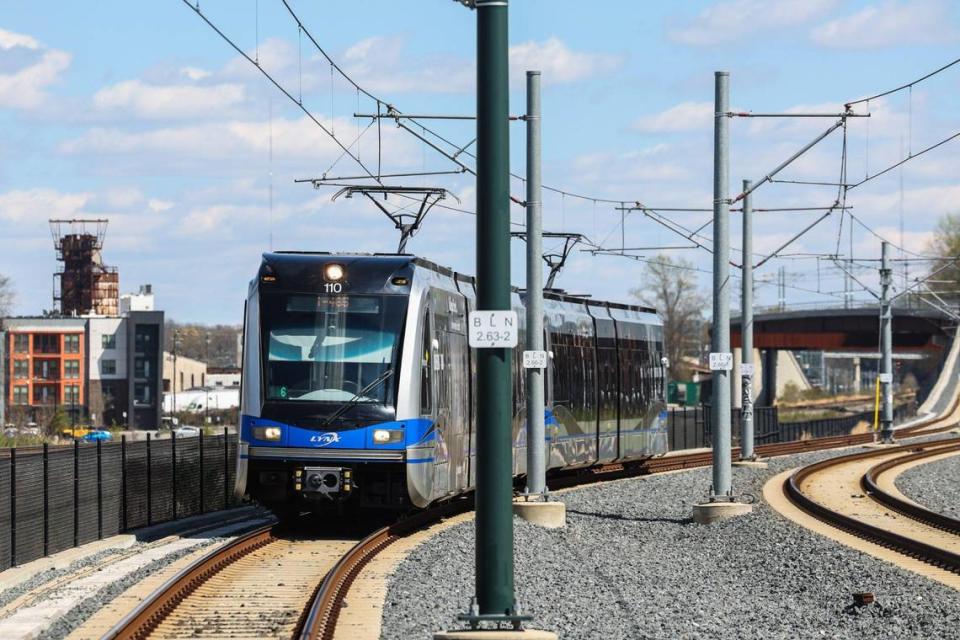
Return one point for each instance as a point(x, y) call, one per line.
point(426, 396)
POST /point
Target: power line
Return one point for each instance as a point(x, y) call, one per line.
point(909, 85)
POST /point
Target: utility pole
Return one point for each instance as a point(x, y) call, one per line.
point(494, 595)
point(746, 330)
point(536, 465)
point(886, 348)
point(173, 383)
point(721, 503)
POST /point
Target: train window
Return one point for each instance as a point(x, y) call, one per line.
point(327, 349)
point(426, 399)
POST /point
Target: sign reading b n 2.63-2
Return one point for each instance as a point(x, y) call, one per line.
point(493, 329)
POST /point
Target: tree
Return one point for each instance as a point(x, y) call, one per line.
point(670, 286)
point(59, 422)
point(6, 295)
point(946, 246)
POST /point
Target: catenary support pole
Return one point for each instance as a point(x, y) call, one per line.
point(494, 495)
point(886, 348)
point(746, 330)
point(536, 464)
point(721, 489)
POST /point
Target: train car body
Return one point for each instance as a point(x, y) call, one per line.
point(359, 386)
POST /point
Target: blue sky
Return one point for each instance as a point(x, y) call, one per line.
point(140, 113)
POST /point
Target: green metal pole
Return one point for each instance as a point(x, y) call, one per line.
point(494, 524)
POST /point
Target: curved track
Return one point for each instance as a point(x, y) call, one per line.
point(202, 599)
point(830, 490)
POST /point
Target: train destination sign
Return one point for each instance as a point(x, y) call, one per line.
point(493, 329)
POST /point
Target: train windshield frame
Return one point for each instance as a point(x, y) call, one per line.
point(332, 349)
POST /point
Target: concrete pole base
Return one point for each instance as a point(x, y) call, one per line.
point(549, 515)
point(495, 634)
point(751, 464)
point(711, 512)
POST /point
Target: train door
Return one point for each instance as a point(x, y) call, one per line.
point(450, 371)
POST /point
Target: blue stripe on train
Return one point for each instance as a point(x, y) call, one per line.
point(416, 431)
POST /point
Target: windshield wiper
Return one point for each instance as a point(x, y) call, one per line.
point(356, 398)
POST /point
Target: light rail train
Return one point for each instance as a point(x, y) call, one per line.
point(359, 388)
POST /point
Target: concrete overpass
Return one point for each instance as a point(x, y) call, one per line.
point(922, 336)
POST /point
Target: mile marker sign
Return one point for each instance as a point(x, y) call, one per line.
point(493, 329)
point(721, 361)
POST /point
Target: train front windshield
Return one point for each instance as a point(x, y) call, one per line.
point(332, 348)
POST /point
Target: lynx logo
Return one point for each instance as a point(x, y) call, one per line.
point(324, 439)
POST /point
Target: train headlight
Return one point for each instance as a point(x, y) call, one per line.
point(386, 436)
point(266, 433)
point(334, 272)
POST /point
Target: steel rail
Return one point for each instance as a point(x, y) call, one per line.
point(913, 548)
point(139, 623)
point(910, 509)
point(319, 620)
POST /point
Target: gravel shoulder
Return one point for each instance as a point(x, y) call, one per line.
point(632, 564)
point(934, 485)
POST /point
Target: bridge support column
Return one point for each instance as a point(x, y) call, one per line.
point(770, 377)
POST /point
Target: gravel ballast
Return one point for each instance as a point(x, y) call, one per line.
point(632, 564)
point(934, 485)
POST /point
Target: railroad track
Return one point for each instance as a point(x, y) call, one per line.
point(848, 493)
point(307, 605)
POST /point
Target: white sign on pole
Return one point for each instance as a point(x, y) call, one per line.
point(721, 361)
point(534, 359)
point(886, 378)
point(746, 369)
point(493, 329)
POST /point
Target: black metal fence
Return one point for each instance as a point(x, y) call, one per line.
point(57, 497)
point(691, 427)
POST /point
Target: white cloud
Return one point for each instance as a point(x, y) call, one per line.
point(686, 116)
point(294, 140)
point(40, 204)
point(378, 64)
point(9, 40)
point(169, 101)
point(193, 73)
point(890, 23)
point(25, 88)
point(730, 20)
point(558, 62)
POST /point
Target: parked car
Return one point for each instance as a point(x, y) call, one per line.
point(30, 431)
point(10, 432)
point(186, 432)
point(97, 434)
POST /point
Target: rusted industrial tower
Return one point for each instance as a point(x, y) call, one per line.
point(86, 286)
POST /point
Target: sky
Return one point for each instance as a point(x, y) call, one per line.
point(140, 113)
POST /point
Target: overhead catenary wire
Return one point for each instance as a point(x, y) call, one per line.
point(347, 150)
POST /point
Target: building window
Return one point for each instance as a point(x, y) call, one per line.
point(166, 385)
point(71, 343)
point(144, 338)
point(21, 342)
point(21, 369)
point(108, 367)
point(46, 369)
point(141, 393)
point(20, 396)
point(109, 340)
point(141, 368)
point(46, 343)
point(71, 394)
point(45, 394)
point(71, 369)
